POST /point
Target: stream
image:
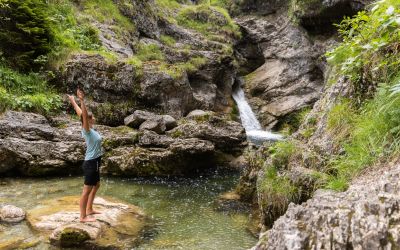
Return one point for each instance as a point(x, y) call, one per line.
point(182, 209)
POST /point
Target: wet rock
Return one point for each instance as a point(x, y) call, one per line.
point(230, 202)
point(11, 214)
point(119, 226)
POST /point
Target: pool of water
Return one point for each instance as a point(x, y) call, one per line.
point(181, 208)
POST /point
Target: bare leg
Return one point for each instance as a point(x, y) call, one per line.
point(83, 202)
point(89, 206)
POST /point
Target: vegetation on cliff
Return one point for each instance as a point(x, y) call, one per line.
point(365, 123)
point(38, 37)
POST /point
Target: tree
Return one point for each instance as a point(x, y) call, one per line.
point(24, 33)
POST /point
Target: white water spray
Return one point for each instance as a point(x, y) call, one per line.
point(253, 128)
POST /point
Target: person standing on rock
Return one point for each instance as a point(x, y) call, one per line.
point(91, 165)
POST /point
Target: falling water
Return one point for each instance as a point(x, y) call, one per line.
point(253, 128)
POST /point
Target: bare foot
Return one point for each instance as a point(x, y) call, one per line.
point(87, 219)
point(92, 212)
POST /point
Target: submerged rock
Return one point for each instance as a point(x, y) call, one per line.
point(11, 214)
point(230, 202)
point(119, 226)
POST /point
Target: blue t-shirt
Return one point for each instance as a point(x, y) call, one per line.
point(93, 144)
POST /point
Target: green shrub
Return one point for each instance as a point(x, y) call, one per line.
point(368, 128)
point(24, 33)
point(26, 92)
point(280, 153)
point(368, 54)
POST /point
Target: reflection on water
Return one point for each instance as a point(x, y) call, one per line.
point(182, 209)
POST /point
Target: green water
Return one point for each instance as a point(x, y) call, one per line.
point(182, 209)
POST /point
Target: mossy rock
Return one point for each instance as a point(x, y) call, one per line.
point(73, 237)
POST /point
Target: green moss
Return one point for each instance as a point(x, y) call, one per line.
point(234, 114)
point(177, 70)
point(177, 133)
point(168, 40)
point(106, 11)
point(291, 123)
point(73, 237)
point(149, 52)
point(137, 65)
point(208, 20)
point(307, 133)
point(248, 78)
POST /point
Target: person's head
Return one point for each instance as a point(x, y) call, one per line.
point(91, 119)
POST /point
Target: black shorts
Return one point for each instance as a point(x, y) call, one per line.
point(91, 170)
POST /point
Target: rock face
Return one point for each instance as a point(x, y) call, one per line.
point(319, 16)
point(290, 78)
point(363, 217)
point(119, 226)
point(11, 214)
point(117, 88)
point(31, 145)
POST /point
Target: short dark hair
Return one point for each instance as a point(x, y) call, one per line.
point(90, 116)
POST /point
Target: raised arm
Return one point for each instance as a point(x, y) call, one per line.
point(85, 120)
point(75, 105)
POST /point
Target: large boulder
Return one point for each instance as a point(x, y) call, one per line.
point(119, 226)
point(227, 136)
point(363, 217)
point(180, 157)
point(145, 120)
point(138, 117)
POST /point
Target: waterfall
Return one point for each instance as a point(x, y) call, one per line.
point(253, 128)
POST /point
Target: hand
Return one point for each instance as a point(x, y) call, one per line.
point(80, 94)
point(71, 98)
